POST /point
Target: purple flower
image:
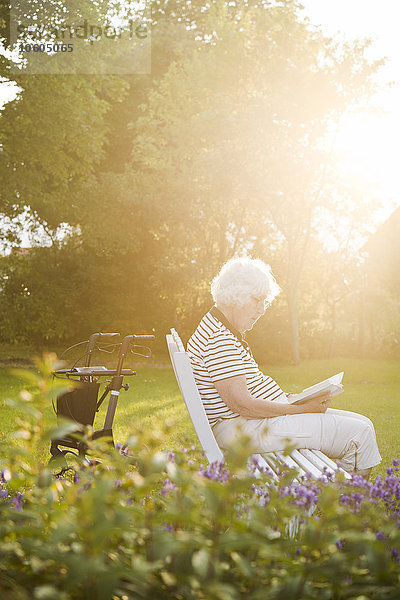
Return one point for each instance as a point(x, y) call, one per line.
point(380, 535)
point(254, 460)
point(339, 545)
point(122, 449)
point(305, 496)
point(262, 494)
point(5, 475)
point(345, 500)
point(396, 555)
point(285, 491)
point(167, 487)
point(254, 466)
point(359, 481)
point(216, 470)
point(357, 498)
point(17, 501)
point(86, 486)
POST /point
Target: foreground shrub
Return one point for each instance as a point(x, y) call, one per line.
point(141, 523)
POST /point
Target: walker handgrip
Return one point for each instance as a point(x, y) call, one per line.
point(102, 337)
point(94, 339)
point(126, 343)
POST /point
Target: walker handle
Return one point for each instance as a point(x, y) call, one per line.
point(102, 337)
point(94, 339)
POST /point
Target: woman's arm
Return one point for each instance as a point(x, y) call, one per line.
point(234, 392)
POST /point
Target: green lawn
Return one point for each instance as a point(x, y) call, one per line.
point(371, 388)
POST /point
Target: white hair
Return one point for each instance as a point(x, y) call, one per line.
point(241, 278)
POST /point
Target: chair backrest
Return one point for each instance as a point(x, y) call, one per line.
point(187, 385)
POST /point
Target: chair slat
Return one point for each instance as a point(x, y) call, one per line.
point(264, 465)
point(316, 460)
point(269, 461)
point(290, 462)
point(309, 466)
point(327, 462)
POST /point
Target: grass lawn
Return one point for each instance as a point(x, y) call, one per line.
point(371, 387)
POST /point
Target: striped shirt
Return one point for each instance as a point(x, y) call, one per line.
point(215, 354)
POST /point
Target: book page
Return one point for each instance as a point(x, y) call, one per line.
point(333, 385)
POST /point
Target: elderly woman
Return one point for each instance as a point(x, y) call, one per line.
point(239, 398)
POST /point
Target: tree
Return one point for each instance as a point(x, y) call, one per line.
point(222, 155)
point(235, 132)
point(65, 143)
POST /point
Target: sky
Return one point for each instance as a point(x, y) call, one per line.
point(367, 145)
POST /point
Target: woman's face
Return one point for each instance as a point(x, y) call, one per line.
point(245, 316)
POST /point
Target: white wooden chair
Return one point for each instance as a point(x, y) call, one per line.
point(305, 461)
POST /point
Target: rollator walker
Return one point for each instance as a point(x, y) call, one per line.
point(81, 404)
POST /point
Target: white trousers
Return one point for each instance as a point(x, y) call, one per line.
point(340, 434)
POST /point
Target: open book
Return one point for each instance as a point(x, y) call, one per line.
point(332, 384)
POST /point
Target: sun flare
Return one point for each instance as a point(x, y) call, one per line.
point(366, 146)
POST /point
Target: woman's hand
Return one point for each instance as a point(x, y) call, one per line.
point(319, 404)
point(235, 394)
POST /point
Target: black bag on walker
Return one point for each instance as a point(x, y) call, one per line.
point(80, 404)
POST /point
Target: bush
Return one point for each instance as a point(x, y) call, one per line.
point(140, 523)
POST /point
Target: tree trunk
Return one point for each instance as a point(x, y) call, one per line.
point(361, 326)
point(295, 266)
point(294, 323)
point(333, 330)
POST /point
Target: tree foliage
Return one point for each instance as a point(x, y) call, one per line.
point(161, 179)
point(237, 130)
